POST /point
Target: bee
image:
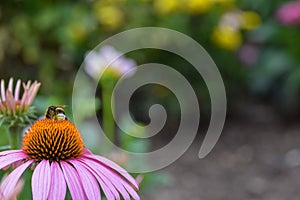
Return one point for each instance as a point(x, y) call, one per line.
point(55, 113)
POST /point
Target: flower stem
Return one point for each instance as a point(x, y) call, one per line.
point(107, 106)
point(14, 137)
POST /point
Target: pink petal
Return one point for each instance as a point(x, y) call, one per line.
point(32, 92)
point(2, 107)
point(58, 183)
point(73, 181)
point(109, 190)
point(11, 157)
point(41, 180)
point(89, 183)
point(10, 84)
point(114, 166)
point(17, 90)
point(2, 90)
point(10, 182)
point(24, 97)
point(113, 178)
point(130, 189)
point(28, 84)
point(10, 101)
point(139, 179)
point(3, 153)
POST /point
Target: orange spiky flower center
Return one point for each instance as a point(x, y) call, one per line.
point(52, 140)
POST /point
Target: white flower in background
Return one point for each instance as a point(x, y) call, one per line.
point(110, 60)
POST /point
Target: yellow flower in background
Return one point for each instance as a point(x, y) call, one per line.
point(166, 6)
point(227, 37)
point(250, 20)
point(224, 2)
point(109, 2)
point(228, 32)
point(238, 19)
point(199, 6)
point(109, 16)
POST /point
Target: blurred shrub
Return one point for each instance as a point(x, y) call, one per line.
point(255, 52)
point(254, 44)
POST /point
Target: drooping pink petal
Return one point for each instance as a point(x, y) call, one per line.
point(114, 166)
point(130, 189)
point(17, 90)
point(3, 90)
point(11, 158)
point(73, 181)
point(58, 184)
point(113, 178)
point(89, 183)
point(41, 180)
point(17, 190)
point(115, 181)
point(3, 153)
point(10, 182)
point(109, 190)
point(119, 169)
point(17, 164)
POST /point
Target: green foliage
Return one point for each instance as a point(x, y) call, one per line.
point(22, 119)
point(4, 136)
point(48, 40)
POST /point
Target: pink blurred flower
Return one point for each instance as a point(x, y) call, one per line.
point(11, 103)
point(289, 13)
point(54, 148)
point(108, 58)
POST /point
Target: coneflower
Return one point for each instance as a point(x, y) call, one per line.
point(15, 108)
point(55, 151)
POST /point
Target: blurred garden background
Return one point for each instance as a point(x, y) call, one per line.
point(255, 45)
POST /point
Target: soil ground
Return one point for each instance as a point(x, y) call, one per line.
point(253, 160)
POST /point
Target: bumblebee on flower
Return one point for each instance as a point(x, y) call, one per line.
point(55, 147)
point(56, 113)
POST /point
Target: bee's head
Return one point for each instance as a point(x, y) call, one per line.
point(55, 113)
